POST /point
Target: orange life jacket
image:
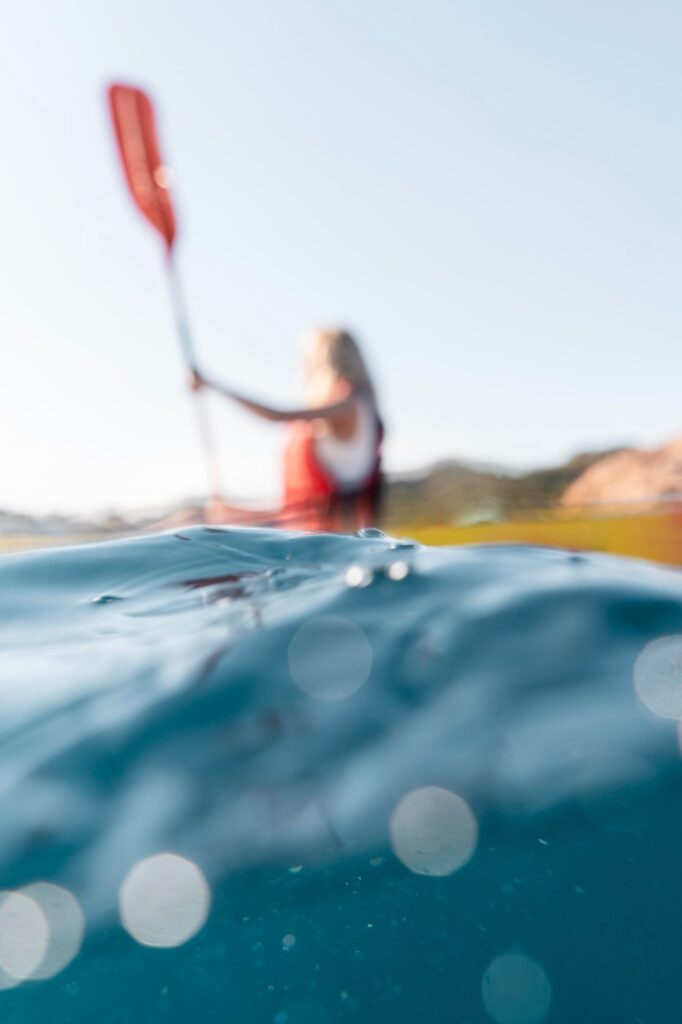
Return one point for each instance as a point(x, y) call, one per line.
point(310, 486)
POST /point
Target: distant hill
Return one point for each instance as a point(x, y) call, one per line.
point(454, 491)
point(449, 492)
point(21, 524)
point(631, 476)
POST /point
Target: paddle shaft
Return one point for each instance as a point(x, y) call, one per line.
point(186, 344)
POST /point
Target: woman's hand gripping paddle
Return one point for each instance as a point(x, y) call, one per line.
point(132, 115)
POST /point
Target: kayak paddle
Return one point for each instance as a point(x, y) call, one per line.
point(148, 180)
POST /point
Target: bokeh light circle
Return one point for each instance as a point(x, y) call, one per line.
point(66, 924)
point(516, 990)
point(658, 677)
point(433, 831)
point(24, 937)
point(330, 657)
point(358, 576)
point(164, 901)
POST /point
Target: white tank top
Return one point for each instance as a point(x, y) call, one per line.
point(351, 460)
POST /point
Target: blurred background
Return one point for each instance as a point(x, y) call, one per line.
point(487, 193)
point(289, 745)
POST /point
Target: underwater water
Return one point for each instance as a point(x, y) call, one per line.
point(270, 778)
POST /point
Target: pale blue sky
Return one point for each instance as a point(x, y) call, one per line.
point(489, 192)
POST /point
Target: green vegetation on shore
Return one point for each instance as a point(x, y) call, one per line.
point(454, 492)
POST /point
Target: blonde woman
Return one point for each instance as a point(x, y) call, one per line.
point(332, 456)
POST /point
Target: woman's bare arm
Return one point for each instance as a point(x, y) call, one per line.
point(269, 412)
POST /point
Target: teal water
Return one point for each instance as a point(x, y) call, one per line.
point(420, 784)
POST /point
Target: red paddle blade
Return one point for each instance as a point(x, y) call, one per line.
point(132, 115)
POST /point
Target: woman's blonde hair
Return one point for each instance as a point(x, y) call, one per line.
point(333, 354)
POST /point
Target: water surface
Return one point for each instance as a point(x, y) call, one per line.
point(395, 783)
